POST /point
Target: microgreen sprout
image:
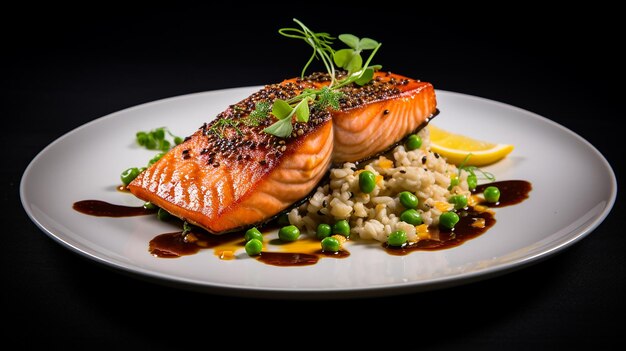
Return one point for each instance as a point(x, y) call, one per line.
point(349, 59)
point(320, 42)
point(473, 169)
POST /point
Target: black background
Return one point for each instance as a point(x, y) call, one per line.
point(65, 67)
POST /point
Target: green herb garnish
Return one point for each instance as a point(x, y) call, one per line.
point(186, 227)
point(349, 59)
point(473, 169)
point(282, 128)
point(320, 42)
point(328, 98)
point(156, 139)
point(221, 124)
point(261, 112)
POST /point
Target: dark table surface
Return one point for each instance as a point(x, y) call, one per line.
point(63, 71)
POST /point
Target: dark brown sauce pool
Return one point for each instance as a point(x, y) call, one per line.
point(511, 192)
point(288, 258)
point(104, 209)
point(298, 259)
point(177, 244)
point(444, 238)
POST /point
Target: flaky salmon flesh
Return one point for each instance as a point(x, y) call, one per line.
point(230, 175)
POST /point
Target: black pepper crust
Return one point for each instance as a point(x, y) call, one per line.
point(234, 140)
point(355, 95)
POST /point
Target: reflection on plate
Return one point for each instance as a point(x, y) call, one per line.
point(560, 211)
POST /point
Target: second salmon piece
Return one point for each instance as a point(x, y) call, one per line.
point(230, 175)
point(386, 111)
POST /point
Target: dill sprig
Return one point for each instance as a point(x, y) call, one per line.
point(221, 124)
point(257, 115)
point(328, 98)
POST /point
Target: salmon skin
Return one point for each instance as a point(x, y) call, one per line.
point(230, 174)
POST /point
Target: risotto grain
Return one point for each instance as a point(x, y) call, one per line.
point(375, 215)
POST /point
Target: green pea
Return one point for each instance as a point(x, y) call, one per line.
point(150, 206)
point(254, 247)
point(330, 244)
point(253, 233)
point(367, 181)
point(411, 217)
point(155, 158)
point(289, 233)
point(129, 175)
point(397, 238)
point(459, 201)
point(492, 194)
point(342, 227)
point(324, 230)
point(448, 220)
point(413, 142)
point(472, 181)
point(178, 140)
point(163, 215)
point(408, 200)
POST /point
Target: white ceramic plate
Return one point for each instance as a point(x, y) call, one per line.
point(574, 189)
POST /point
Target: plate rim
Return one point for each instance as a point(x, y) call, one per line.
point(332, 292)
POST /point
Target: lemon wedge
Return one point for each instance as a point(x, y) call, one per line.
point(456, 147)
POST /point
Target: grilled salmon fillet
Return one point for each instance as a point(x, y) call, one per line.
point(230, 174)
